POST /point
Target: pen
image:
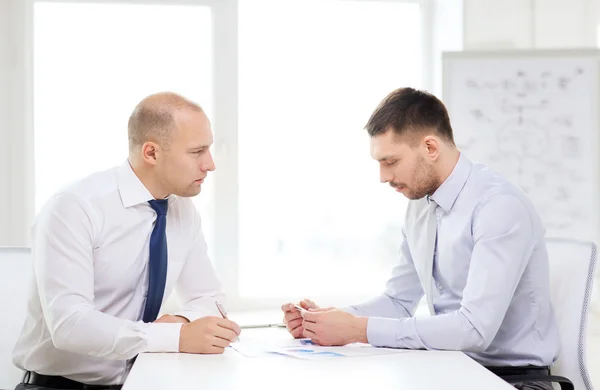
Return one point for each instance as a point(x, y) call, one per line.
point(300, 309)
point(255, 326)
point(224, 314)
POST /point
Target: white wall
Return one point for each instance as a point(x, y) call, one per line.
point(447, 34)
point(4, 142)
point(16, 162)
point(524, 24)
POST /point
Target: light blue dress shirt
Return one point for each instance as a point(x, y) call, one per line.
point(491, 275)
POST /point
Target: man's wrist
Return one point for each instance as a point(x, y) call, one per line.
point(361, 330)
point(182, 337)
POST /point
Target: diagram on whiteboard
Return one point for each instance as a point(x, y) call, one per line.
point(535, 125)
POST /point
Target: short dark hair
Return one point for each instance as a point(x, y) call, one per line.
point(410, 112)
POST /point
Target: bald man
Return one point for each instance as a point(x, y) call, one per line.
point(110, 248)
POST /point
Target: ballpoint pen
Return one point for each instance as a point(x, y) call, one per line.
point(224, 314)
point(300, 309)
point(256, 326)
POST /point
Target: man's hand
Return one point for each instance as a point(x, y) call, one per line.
point(292, 318)
point(207, 335)
point(169, 318)
point(334, 327)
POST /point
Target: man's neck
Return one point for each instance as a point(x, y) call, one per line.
point(147, 178)
point(448, 163)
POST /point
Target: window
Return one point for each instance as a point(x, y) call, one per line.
point(295, 206)
point(312, 210)
point(93, 64)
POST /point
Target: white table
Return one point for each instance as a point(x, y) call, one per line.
point(231, 370)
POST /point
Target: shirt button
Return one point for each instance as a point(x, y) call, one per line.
point(440, 287)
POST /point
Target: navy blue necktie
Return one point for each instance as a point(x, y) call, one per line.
point(158, 261)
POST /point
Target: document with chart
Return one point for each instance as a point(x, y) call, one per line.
point(305, 349)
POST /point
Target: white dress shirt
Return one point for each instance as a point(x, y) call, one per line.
point(90, 257)
point(490, 276)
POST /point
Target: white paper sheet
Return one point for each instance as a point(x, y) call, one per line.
point(316, 352)
point(305, 349)
point(250, 348)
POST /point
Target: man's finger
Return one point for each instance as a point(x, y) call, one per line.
point(309, 334)
point(310, 326)
point(321, 309)
point(219, 342)
point(308, 304)
point(297, 331)
point(289, 317)
point(215, 350)
point(228, 324)
point(316, 341)
point(288, 307)
point(226, 334)
point(311, 316)
point(295, 323)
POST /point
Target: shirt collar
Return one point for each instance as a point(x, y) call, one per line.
point(131, 188)
point(446, 194)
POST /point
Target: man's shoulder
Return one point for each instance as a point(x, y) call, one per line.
point(86, 190)
point(485, 183)
point(94, 186)
point(488, 188)
point(98, 183)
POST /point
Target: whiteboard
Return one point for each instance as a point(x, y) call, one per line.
point(533, 117)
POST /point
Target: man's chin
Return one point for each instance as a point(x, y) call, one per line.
point(189, 193)
point(412, 195)
point(195, 192)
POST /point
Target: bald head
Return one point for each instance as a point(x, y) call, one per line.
point(153, 119)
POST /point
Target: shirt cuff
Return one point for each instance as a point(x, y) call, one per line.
point(163, 337)
point(393, 332)
point(381, 332)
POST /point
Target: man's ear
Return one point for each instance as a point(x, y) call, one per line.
point(149, 152)
point(431, 144)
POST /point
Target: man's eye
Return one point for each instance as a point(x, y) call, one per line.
point(392, 162)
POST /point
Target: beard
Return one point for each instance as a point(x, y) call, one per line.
point(425, 181)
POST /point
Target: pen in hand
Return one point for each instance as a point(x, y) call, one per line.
point(224, 314)
point(300, 309)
